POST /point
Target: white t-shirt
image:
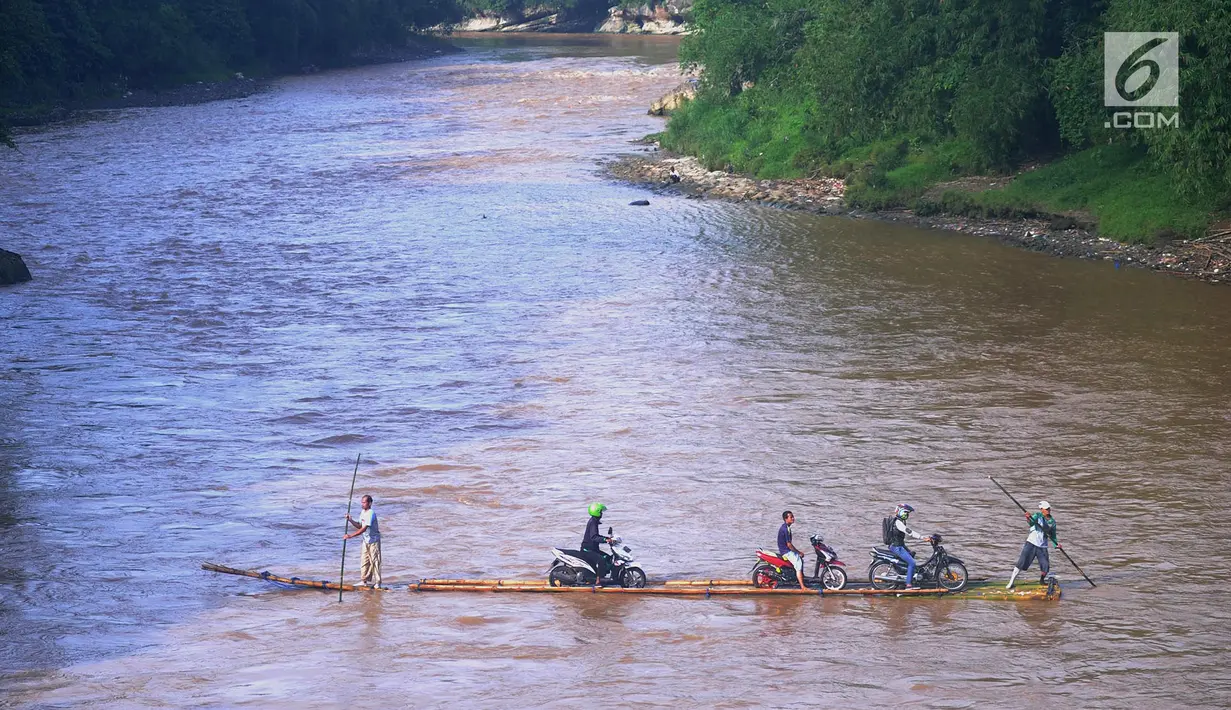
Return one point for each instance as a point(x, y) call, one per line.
point(368, 518)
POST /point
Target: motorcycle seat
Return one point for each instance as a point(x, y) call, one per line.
point(884, 551)
point(774, 559)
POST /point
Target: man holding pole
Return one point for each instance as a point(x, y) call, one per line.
point(369, 569)
point(1042, 528)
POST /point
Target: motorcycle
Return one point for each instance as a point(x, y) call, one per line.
point(570, 569)
point(940, 571)
point(772, 571)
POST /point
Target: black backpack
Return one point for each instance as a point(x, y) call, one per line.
point(887, 531)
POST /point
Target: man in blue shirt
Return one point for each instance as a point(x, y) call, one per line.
point(787, 549)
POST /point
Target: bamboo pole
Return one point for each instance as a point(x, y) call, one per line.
point(1007, 596)
point(295, 581)
point(744, 585)
point(346, 527)
point(678, 590)
point(488, 582)
point(674, 591)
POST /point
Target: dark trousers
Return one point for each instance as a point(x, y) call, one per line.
point(597, 560)
point(1031, 552)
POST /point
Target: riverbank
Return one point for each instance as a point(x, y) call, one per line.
point(237, 86)
point(1207, 259)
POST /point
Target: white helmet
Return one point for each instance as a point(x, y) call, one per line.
point(1044, 505)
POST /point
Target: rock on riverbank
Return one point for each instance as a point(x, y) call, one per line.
point(652, 18)
point(655, 17)
point(12, 269)
point(1207, 259)
point(688, 176)
point(675, 98)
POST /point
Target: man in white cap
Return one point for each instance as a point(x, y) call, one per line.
point(1042, 527)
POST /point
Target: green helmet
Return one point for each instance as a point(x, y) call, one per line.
point(596, 509)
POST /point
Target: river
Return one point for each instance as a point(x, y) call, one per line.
point(423, 263)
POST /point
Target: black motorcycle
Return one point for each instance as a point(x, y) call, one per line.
point(940, 571)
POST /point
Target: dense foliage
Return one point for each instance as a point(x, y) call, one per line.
point(51, 50)
point(795, 86)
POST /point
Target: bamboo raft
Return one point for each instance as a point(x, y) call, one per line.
point(675, 587)
point(290, 581)
point(976, 589)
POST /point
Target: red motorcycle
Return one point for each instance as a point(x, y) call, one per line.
point(771, 571)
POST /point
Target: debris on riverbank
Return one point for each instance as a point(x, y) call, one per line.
point(1207, 259)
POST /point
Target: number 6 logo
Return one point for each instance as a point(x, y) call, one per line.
point(1127, 56)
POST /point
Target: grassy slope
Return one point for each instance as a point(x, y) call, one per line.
point(1115, 186)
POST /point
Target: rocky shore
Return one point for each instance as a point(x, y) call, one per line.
point(654, 17)
point(12, 268)
point(1207, 259)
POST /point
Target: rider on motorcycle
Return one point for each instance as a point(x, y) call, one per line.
point(897, 541)
point(590, 551)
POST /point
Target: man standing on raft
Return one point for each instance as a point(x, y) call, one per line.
point(367, 526)
point(1042, 527)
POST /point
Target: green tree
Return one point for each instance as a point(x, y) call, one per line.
point(53, 50)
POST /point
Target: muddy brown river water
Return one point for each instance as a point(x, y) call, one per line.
point(421, 262)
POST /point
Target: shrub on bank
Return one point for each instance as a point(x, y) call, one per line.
point(897, 96)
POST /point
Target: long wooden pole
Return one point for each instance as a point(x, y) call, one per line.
point(1027, 512)
point(346, 527)
point(293, 581)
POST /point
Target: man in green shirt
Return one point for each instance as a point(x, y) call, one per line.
point(1042, 528)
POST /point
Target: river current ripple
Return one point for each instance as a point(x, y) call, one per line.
point(421, 262)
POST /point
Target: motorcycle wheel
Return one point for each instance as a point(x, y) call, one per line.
point(562, 576)
point(881, 569)
point(952, 576)
point(833, 578)
point(763, 578)
point(632, 578)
